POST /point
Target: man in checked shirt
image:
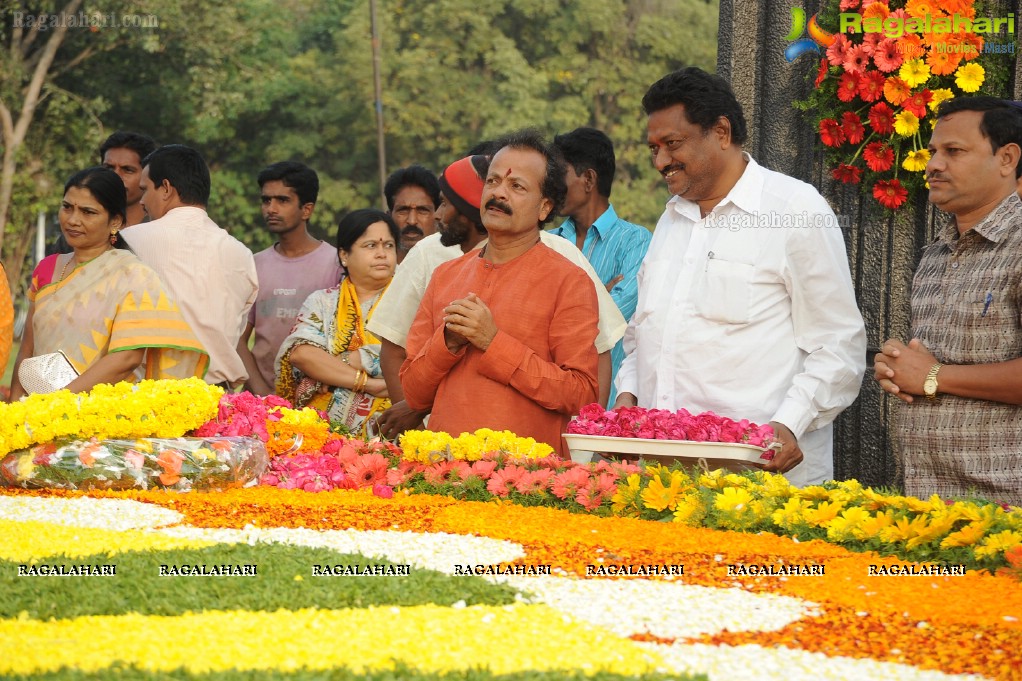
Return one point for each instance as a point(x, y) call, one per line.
point(960, 377)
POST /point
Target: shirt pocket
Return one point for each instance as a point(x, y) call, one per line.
point(724, 291)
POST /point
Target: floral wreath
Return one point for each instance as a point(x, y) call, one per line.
point(878, 89)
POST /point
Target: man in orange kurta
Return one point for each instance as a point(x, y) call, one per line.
point(504, 339)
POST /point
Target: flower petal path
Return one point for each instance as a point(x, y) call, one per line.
point(923, 622)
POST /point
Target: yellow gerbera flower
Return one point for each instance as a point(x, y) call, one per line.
point(871, 527)
point(940, 95)
point(906, 123)
point(689, 511)
point(914, 72)
point(792, 513)
point(969, 77)
point(998, 543)
point(824, 513)
point(967, 536)
point(732, 499)
point(658, 497)
point(848, 524)
point(916, 160)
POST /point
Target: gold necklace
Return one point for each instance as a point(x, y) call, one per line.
point(64, 271)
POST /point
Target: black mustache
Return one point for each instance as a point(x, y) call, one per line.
point(500, 205)
point(412, 229)
point(678, 166)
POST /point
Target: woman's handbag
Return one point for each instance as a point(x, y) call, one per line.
point(46, 373)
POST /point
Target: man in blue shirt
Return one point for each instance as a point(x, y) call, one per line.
point(615, 248)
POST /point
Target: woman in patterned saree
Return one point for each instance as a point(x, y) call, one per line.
point(330, 362)
point(99, 305)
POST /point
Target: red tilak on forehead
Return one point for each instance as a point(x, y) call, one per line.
point(508, 173)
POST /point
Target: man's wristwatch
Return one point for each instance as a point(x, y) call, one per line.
point(930, 384)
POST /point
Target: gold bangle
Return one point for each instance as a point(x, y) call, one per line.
point(361, 378)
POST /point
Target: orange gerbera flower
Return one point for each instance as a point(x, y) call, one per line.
point(976, 40)
point(911, 46)
point(922, 8)
point(962, 7)
point(877, 9)
point(943, 63)
point(896, 90)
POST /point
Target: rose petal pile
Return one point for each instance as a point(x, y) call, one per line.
point(661, 424)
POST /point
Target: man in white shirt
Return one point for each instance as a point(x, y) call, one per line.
point(746, 305)
point(210, 274)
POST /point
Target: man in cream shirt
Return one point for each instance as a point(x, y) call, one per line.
point(210, 274)
point(746, 305)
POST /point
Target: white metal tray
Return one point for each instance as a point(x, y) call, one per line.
point(730, 455)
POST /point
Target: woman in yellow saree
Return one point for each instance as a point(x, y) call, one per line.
point(99, 305)
point(330, 361)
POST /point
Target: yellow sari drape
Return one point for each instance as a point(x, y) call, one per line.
point(333, 321)
point(113, 303)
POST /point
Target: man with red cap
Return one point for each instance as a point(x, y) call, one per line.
point(460, 230)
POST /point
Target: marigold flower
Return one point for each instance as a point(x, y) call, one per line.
point(890, 193)
point(906, 123)
point(969, 77)
point(879, 157)
point(915, 161)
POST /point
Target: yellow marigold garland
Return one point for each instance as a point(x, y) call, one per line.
point(161, 409)
point(283, 432)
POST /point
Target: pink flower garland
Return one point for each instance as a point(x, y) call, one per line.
point(660, 424)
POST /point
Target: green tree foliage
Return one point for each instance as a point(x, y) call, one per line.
point(257, 81)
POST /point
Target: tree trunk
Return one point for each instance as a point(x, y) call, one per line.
point(14, 132)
